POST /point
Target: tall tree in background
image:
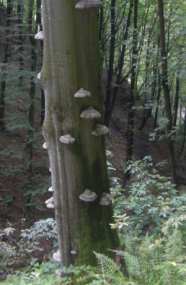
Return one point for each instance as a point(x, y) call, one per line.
point(4, 61)
point(32, 84)
point(165, 85)
point(111, 63)
point(72, 61)
point(20, 39)
point(133, 91)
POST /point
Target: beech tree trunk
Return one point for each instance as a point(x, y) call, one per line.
point(72, 61)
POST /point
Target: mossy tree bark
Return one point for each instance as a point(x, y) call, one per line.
point(72, 61)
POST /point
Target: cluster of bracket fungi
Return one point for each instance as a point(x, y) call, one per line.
point(99, 130)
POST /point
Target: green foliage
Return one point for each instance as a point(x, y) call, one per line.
point(43, 234)
point(145, 203)
point(152, 226)
point(43, 230)
point(151, 221)
point(38, 275)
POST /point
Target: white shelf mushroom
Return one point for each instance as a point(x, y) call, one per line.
point(67, 139)
point(82, 93)
point(50, 205)
point(100, 130)
point(90, 113)
point(51, 200)
point(45, 145)
point(58, 272)
point(50, 189)
point(88, 4)
point(56, 256)
point(88, 196)
point(39, 36)
point(39, 75)
point(105, 199)
point(109, 154)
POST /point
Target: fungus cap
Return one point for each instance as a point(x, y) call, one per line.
point(45, 145)
point(83, 4)
point(104, 202)
point(88, 196)
point(56, 256)
point(107, 196)
point(67, 139)
point(82, 93)
point(90, 113)
point(39, 36)
point(100, 130)
point(50, 200)
point(58, 272)
point(50, 205)
point(50, 189)
point(109, 154)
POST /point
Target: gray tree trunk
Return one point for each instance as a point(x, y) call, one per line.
point(72, 61)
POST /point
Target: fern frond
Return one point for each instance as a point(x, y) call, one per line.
point(107, 264)
point(132, 263)
point(110, 270)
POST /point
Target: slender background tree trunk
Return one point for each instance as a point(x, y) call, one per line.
point(166, 92)
point(4, 68)
point(111, 62)
point(130, 129)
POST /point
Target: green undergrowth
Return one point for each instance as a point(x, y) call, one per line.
point(150, 217)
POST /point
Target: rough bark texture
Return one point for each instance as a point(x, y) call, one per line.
point(72, 61)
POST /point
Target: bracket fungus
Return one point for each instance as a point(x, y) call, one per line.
point(100, 130)
point(90, 113)
point(39, 75)
point(45, 145)
point(105, 199)
point(109, 154)
point(67, 139)
point(51, 200)
point(56, 256)
point(82, 93)
point(58, 272)
point(88, 196)
point(50, 205)
point(73, 252)
point(39, 36)
point(50, 189)
point(83, 4)
point(112, 182)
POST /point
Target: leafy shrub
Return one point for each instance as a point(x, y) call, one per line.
point(17, 249)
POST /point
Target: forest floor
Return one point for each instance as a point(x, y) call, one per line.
point(22, 195)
